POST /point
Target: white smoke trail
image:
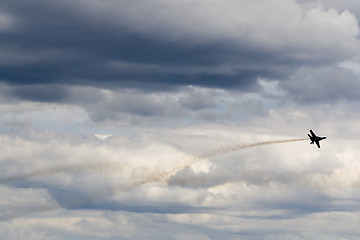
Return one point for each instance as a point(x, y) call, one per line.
point(227, 149)
point(232, 148)
point(163, 177)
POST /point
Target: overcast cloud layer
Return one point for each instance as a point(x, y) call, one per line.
point(107, 105)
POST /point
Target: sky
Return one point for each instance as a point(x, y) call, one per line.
point(140, 119)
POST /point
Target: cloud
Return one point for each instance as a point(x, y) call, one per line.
point(323, 84)
point(265, 183)
point(40, 93)
point(125, 105)
point(351, 5)
point(16, 202)
point(151, 45)
point(105, 103)
point(206, 20)
point(5, 22)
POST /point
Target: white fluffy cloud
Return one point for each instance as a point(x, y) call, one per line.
point(122, 178)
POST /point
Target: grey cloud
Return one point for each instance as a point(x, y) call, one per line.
point(196, 99)
point(188, 102)
point(78, 42)
point(127, 106)
point(90, 45)
point(5, 22)
point(323, 84)
point(41, 93)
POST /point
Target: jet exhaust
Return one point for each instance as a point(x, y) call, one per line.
point(227, 149)
point(163, 177)
point(233, 148)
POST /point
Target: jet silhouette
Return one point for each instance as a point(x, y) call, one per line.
point(314, 138)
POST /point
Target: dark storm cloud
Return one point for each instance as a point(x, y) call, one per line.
point(155, 45)
point(41, 93)
point(58, 44)
point(78, 42)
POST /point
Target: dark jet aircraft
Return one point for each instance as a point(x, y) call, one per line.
point(314, 138)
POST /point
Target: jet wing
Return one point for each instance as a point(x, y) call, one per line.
point(312, 133)
point(318, 144)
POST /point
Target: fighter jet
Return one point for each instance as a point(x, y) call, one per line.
point(314, 138)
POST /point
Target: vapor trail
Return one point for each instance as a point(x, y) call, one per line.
point(232, 148)
point(163, 177)
point(223, 150)
point(98, 166)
